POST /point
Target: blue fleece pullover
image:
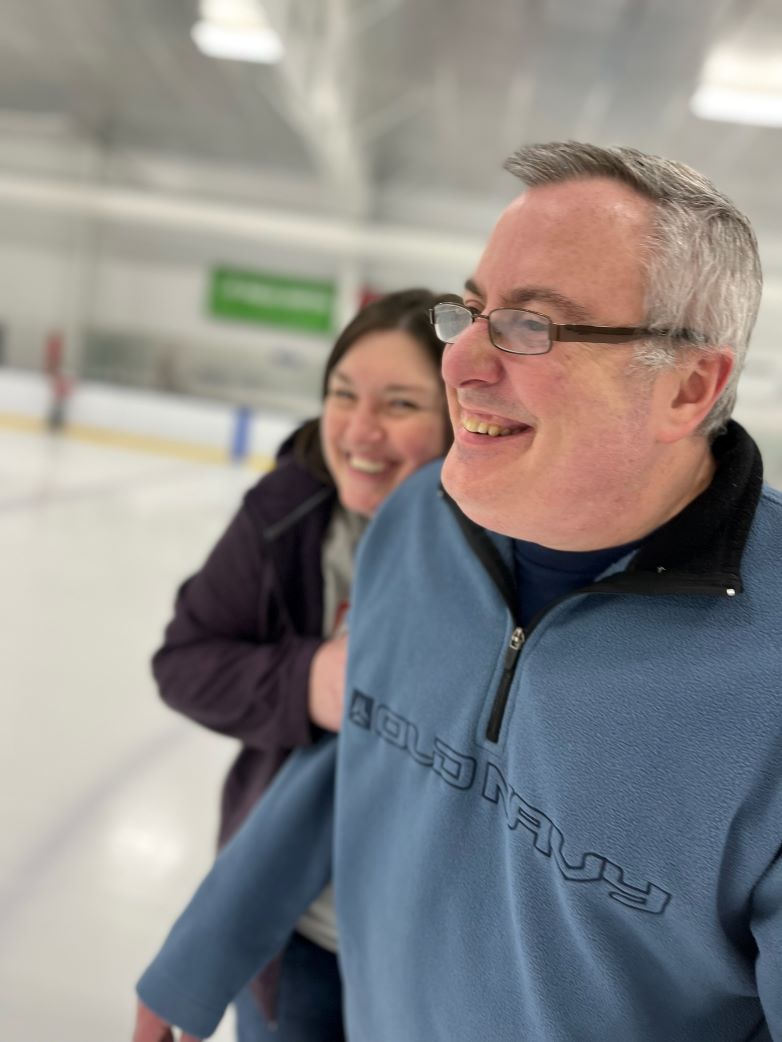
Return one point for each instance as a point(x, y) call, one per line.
point(578, 841)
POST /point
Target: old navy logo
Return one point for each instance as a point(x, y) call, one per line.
point(361, 710)
point(460, 771)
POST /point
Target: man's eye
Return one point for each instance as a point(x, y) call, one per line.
point(474, 309)
point(522, 323)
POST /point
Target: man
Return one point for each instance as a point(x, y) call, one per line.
point(559, 809)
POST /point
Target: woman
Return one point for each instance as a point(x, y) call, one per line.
point(255, 649)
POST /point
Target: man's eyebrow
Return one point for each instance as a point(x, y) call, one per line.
point(525, 295)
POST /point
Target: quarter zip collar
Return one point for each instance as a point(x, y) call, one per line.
point(698, 551)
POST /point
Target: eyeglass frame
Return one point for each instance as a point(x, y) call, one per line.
point(568, 332)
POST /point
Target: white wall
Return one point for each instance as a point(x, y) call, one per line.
point(70, 276)
point(144, 420)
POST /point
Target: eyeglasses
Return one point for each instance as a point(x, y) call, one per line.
point(521, 332)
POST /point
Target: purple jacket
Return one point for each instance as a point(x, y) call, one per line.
point(236, 655)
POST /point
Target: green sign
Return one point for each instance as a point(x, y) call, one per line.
point(305, 305)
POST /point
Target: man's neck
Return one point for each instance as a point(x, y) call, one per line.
point(676, 481)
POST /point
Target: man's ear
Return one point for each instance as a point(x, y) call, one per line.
point(696, 386)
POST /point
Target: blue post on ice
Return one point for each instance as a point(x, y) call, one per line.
point(240, 442)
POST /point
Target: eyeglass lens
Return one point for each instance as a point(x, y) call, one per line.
point(509, 328)
point(450, 320)
point(521, 331)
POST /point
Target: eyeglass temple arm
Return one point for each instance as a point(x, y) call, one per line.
point(594, 334)
point(617, 334)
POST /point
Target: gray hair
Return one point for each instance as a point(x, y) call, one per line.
point(702, 264)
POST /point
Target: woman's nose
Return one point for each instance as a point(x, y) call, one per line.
point(366, 424)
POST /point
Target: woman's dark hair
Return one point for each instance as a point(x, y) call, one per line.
point(404, 311)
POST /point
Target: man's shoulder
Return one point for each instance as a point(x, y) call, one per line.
point(763, 552)
point(769, 512)
point(415, 492)
point(773, 496)
point(411, 508)
point(395, 552)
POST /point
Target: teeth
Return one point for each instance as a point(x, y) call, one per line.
point(480, 427)
point(367, 466)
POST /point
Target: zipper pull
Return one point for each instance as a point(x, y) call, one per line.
point(515, 645)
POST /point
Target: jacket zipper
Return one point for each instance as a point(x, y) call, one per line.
point(515, 644)
point(719, 584)
point(518, 637)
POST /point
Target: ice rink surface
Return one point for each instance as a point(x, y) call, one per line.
point(108, 801)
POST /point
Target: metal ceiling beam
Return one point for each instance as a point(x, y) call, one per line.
point(344, 240)
point(315, 99)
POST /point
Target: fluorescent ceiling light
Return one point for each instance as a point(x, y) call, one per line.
point(741, 83)
point(249, 43)
point(738, 105)
point(231, 10)
point(238, 30)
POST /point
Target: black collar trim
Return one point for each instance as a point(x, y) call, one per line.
point(478, 538)
point(707, 538)
point(697, 551)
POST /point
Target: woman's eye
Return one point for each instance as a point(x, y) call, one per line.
point(342, 394)
point(402, 405)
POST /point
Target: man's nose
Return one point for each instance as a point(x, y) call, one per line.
point(471, 356)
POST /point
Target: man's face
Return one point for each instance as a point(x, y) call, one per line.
point(573, 472)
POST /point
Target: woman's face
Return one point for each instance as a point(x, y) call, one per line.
point(383, 418)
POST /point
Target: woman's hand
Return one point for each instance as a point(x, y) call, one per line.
point(150, 1028)
point(327, 683)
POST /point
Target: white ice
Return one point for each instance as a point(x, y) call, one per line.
point(108, 801)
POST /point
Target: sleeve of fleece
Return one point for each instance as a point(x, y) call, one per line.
point(767, 930)
point(218, 668)
point(248, 905)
